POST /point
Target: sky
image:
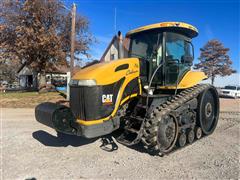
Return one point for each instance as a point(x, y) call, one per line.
point(215, 19)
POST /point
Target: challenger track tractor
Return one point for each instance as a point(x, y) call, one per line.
point(151, 96)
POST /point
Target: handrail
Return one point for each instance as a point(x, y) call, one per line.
point(150, 83)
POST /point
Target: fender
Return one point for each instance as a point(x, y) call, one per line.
point(190, 79)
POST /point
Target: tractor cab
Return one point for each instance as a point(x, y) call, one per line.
point(167, 45)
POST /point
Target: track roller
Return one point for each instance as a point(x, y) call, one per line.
point(198, 132)
point(190, 136)
point(182, 139)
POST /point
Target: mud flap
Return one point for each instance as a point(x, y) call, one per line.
point(56, 116)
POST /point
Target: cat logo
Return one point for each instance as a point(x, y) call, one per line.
point(107, 99)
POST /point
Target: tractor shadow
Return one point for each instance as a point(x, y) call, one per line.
point(61, 140)
point(108, 142)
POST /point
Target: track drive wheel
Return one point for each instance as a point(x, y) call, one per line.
point(208, 110)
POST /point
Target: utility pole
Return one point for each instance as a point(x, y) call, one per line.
point(73, 38)
point(115, 20)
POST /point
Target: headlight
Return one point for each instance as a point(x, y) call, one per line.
point(85, 82)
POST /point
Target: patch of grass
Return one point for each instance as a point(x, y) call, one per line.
point(27, 99)
point(18, 94)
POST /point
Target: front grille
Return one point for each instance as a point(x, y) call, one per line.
point(225, 92)
point(77, 102)
point(86, 102)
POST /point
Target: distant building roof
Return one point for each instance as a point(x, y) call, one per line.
point(25, 71)
point(51, 68)
point(108, 47)
point(115, 43)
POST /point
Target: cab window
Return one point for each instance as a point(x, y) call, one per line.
point(178, 48)
point(178, 57)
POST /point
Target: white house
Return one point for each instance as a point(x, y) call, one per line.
point(117, 48)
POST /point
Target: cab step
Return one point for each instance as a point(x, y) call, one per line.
point(132, 132)
point(128, 138)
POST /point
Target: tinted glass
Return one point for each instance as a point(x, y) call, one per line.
point(177, 48)
point(144, 45)
point(178, 55)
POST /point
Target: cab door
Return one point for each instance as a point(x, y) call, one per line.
point(178, 57)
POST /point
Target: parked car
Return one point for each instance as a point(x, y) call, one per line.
point(230, 91)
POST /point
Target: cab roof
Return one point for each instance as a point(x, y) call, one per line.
point(178, 27)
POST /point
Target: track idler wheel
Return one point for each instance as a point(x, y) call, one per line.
point(190, 136)
point(198, 132)
point(208, 110)
point(182, 139)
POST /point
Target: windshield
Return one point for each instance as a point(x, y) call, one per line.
point(177, 47)
point(230, 87)
point(144, 45)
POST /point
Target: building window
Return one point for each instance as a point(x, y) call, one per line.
point(112, 56)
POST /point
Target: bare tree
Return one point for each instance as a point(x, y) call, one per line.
point(214, 60)
point(8, 70)
point(38, 32)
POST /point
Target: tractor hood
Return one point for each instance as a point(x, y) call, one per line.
point(97, 91)
point(108, 72)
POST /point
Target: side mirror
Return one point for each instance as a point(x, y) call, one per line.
point(187, 59)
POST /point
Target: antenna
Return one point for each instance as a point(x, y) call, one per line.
point(115, 20)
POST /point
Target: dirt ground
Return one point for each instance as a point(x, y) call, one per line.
point(30, 149)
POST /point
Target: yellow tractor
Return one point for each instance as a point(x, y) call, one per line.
point(152, 96)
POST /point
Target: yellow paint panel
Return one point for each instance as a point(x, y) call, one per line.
point(190, 79)
point(104, 72)
point(163, 25)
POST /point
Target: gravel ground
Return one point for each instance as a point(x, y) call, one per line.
point(30, 150)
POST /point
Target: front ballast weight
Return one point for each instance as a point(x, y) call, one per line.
point(58, 117)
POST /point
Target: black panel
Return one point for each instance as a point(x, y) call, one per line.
point(86, 102)
point(122, 67)
point(144, 70)
point(131, 88)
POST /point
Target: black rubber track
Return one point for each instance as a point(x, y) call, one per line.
point(150, 127)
